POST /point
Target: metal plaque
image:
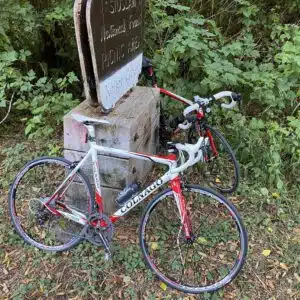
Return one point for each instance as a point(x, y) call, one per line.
point(115, 31)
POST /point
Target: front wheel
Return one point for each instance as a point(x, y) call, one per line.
point(213, 256)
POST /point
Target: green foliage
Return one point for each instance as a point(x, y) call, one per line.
point(130, 257)
point(37, 88)
point(47, 100)
point(250, 46)
point(44, 100)
point(16, 156)
point(19, 26)
point(257, 56)
point(59, 25)
point(268, 151)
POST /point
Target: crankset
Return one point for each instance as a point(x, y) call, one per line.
point(100, 234)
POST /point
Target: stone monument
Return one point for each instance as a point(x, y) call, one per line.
point(109, 36)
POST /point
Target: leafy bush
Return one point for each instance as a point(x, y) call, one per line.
point(19, 26)
point(257, 56)
point(58, 27)
point(47, 100)
point(199, 47)
point(27, 83)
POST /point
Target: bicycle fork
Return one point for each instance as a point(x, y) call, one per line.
point(175, 185)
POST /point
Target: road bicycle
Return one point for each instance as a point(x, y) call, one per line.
point(221, 169)
point(191, 237)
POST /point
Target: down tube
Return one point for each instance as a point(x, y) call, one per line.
point(134, 201)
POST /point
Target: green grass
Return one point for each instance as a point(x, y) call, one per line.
point(272, 221)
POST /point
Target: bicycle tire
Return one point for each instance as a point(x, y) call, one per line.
point(236, 169)
point(170, 281)
point(15, 219)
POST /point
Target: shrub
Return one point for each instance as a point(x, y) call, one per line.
point(257, 55)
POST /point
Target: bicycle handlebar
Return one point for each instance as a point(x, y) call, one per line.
point(191, 108)
point(234, 98)
point(193, 151)
point(199, 102)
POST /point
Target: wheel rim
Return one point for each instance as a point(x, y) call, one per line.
point(195, 267)
point(34, 185)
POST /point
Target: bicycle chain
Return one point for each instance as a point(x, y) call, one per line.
point(89, 232)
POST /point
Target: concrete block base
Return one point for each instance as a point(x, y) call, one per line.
point(134, 126)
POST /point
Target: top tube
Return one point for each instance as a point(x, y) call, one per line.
point(176, 97)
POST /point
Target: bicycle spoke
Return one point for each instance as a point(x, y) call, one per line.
point(39, 225)
point(204, 259)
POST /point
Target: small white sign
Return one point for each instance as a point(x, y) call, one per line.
point(119, 83)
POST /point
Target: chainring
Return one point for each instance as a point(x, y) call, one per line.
point(91, 233)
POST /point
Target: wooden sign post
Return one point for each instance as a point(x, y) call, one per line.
point(115, 32)
point(85, 58)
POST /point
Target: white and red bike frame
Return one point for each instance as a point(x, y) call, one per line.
point(176, 166)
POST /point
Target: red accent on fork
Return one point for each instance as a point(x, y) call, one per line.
point(212, 143)
point(99, 202)
point(150, 71)
point(200, 115)
point(176, 188)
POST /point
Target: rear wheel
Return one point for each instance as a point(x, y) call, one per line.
point(36, 183)
point(213, 256)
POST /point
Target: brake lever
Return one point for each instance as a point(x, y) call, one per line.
point(238, 98)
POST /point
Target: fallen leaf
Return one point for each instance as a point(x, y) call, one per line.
point(270, 284)
point(163, 286)
point(201, 240)
point(270, 229)
point(6, 260)
point(266, 252)
point(202, 254)
point(27, 271)
point(126, 279)
point(218, 180)
point(122, 237)
point(5, 288)
point(154, 246)
point(275, 195)
point(284, 266)
point(297, 277)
